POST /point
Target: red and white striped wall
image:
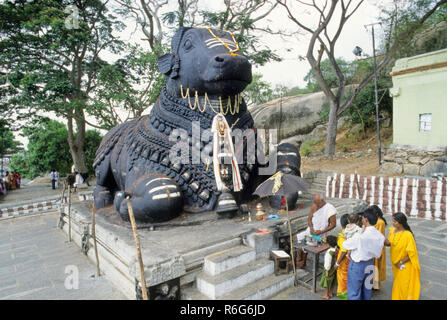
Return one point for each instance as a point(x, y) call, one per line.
point(420, 198)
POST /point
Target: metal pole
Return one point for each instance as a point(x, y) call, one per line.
point(138, 246)
point(376, 97)
point(69, 213)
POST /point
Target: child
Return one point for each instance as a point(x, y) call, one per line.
point(352, 228)
point(328, 277)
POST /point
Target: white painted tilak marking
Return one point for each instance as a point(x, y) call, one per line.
point(162, 188)
point(164, 195)
point(158, 179)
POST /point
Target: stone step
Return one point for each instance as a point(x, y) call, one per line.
point(263, 288)
point(222, 284)
point(225, 260)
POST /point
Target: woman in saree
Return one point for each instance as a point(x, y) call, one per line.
point(342, 262)
point(404, 259)
point(380, 263)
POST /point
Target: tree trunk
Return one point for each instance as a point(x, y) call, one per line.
point(76, 144)
point(331, 130)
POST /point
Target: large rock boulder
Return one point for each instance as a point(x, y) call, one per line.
point(299, 114)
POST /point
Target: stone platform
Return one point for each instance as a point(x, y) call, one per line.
point(174, 252)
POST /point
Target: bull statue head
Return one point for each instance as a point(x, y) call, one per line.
point(205, 61)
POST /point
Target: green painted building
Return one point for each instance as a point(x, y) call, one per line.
point(420, 101)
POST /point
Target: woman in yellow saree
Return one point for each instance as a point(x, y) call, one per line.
point(404, 258)
point(380, 263)
point(342, 263)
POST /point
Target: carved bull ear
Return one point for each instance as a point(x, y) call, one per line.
point(165, 63)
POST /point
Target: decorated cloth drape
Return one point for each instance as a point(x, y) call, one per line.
point(407, 285)
point(221, 131)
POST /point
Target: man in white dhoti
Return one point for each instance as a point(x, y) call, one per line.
point(321, 220)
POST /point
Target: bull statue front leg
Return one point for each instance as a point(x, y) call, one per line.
point(153, 197)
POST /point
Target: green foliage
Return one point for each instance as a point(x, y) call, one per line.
point(329, 74)
point(131, 84)
point(308, 146)
point(8, 144)
point(48, 149)
point(51, 55)
point(260, 91)
point(430, 36)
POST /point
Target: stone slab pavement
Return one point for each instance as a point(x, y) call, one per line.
point(38, 262)
point(431, 242)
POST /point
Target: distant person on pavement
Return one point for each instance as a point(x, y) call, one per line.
point(57, 178)
point(53, 179)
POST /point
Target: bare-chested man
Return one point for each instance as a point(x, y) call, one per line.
point(321, 220)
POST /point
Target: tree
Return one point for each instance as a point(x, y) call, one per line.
point(8, 144)
point(48, 149)
point(239, 16)
point(130, 85)
point(51, 54)
point(92, 141)
point(329, 74)
point(321, 42)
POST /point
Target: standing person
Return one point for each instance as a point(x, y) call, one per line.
point(57, 178)
point(18, 180)
point(321, 220)
point(328, 278)
point(364, 247)
point(12, 181)
point(342, 263)
point(53, 179)
point(380, 263)
point(7, 182)
point(78, 180)
point(404, 258)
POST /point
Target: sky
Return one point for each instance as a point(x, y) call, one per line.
point(290, 72)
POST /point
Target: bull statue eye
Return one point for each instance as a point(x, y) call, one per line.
point(188, 44)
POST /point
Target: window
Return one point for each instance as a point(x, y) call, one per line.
point(425, 122)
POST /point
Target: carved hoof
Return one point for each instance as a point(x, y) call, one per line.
point(102, 197)
point(154, 198)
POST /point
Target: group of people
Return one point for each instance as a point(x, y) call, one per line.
point(11, 181)
point(356, 260)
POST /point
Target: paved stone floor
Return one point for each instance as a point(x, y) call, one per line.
point(431, 242)
point(37, 261)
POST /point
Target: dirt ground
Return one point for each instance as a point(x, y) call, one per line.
point(352, 154)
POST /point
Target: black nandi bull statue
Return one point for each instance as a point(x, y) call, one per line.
point(205, 75)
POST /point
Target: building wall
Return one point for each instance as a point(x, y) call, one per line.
point(419, 87)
